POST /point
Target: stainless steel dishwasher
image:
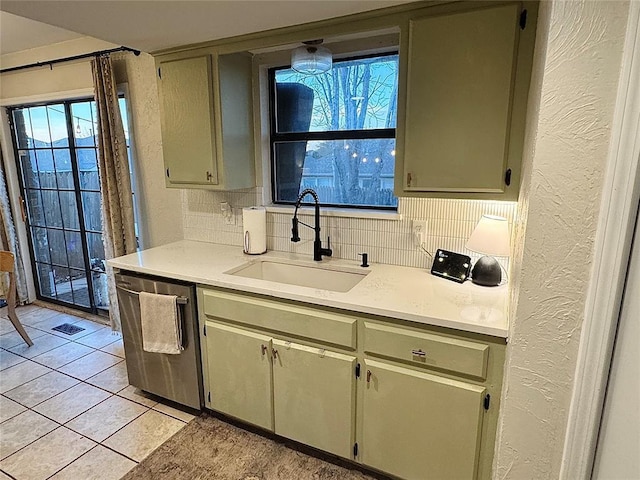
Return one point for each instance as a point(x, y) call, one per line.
point(174, 377)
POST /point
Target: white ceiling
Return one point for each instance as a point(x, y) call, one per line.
point(18, 33)
point(154, 25)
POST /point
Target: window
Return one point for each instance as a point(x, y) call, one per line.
point(56, 146)
point(335, 132)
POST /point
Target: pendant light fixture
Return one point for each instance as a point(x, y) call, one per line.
point(311, 58)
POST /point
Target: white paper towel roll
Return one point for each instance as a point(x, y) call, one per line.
point(254, 222)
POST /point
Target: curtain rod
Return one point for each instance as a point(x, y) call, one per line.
point(69, 59)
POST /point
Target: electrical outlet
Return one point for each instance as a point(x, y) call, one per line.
point(227, 213)
point(419, 231)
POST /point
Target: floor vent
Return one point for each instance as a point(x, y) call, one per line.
point(68, 328)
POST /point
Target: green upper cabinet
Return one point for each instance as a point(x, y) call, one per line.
point(206, 118)
point(464, 100)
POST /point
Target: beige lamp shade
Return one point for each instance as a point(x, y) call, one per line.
point(491, 237)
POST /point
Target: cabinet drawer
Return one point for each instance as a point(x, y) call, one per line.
point(295, 320)
point(422, 348)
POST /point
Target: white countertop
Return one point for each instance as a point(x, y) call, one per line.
point(411, 294)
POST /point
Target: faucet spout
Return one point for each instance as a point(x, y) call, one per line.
point(318, 250)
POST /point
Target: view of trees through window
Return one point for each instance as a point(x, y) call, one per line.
point(335, 132)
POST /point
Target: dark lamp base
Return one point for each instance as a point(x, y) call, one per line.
point(486, 272)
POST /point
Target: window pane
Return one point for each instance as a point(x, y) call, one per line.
point(74, 249)
point(79, 287)
point(46, 280)
point(84, 126)
point(40, 127)
point(100, 293)
point(91, 209)
point(57, 247)
point(342, 172)
point(358, 94)
point(22, 123)
point(62, 279)
point(52, 213)
point(58, 125)
point(88, 166)
point(35, 207)
point(29, 168)
point(64, 174)
point(123, 115)
point(69, 210)
point(96, 251)
point(46, 169)
point(40, 244)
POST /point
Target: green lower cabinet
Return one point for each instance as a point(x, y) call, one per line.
point(239, 369)
point(419, 426)
point(314, 396)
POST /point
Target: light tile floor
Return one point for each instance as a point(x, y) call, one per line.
point(67, 410)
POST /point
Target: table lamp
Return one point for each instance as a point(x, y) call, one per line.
point(491, 238)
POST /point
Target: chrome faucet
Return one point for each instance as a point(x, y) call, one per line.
point(318, 251)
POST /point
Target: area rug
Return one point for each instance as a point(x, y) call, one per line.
point(212, 449)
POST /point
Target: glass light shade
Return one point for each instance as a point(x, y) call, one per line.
point(311, 59)
point(491, 237)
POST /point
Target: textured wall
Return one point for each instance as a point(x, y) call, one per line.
point(565, 156)
point(159, 207)
point(38, 84)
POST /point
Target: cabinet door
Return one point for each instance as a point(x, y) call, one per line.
point(187, 119)
point(460, 76)
point(420, 426)
point(314, 396)
point(239, 369)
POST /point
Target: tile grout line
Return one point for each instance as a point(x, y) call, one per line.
point(81, 381)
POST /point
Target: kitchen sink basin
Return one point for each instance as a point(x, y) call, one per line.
point(303, 275)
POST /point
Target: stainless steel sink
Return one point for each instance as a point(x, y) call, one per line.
point(335, 279)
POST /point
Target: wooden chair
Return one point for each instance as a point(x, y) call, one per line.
point(7, 264)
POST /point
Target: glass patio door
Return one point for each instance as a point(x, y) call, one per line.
point(57, 156)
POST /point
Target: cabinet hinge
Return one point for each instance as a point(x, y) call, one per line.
point(357, 370)
point(159, 73)
point(209, 397)
point(487, 401)
point(507, 177)
point(168, 175)
point(355, 450)
point(204, 330)
point(523, 19)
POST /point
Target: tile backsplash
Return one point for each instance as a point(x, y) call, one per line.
point(449, 225)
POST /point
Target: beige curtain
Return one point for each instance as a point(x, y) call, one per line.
point(9, 241)
point(115, 180)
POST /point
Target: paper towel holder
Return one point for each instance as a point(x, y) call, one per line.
point(254, 242)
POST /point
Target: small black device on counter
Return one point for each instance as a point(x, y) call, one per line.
point(451, 265)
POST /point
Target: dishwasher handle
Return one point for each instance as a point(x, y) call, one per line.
point(179, 300)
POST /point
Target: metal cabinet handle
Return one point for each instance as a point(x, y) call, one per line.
point(418, 353)
point(274, 353)
point(369, 376)
point(263, 348)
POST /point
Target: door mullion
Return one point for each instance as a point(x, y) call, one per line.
point(57, 190)
point(76, 183)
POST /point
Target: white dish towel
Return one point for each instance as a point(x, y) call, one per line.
point(161, 329)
